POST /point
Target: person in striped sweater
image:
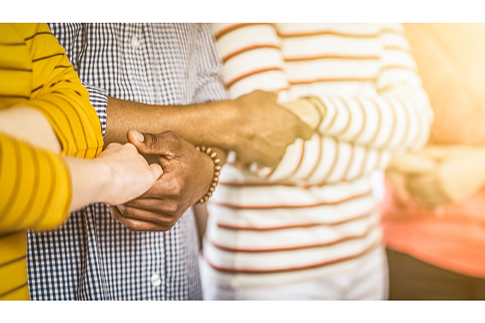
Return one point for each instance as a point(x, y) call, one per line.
point(309, 229)
point(44, 112)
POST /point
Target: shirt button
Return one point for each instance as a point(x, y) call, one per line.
point(156, 281)
point(135, 42)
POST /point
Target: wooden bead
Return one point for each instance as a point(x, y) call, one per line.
point(208, 150)
point(213, 155)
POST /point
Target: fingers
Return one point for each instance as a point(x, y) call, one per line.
point(163, 221)
point(134, 224)
point(412, 164)
point(427, 190)
point(304, 131)
point(165, 143)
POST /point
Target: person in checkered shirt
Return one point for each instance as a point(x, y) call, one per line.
point(163, 80)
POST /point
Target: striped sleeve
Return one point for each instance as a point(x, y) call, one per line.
point(252, 58)
point(355, 129)
point(59, 95)
point(69, 36)
point(23, 170)
point(397, 117)
point(324, 160)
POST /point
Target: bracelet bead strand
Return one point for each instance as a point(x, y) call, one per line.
point(217, 172)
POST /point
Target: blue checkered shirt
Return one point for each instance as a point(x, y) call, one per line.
point(94, 257)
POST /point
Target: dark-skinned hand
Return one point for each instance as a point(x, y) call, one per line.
point(187, 175)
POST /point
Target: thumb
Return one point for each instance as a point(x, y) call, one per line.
point(305, 131)
point(162, 144)
point(146, 143)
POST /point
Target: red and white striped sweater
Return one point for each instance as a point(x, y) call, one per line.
point(315, 214)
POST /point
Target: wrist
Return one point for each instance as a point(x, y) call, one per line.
point(89, 181)
point(215, 171)
point(224, 117)
point(104, 181)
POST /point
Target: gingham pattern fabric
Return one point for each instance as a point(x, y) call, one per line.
point(93, 256)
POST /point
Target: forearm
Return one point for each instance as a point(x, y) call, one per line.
point(24, 170)
point(324, 160)
point(198, 124)
point(31, 126)
point(90, 182)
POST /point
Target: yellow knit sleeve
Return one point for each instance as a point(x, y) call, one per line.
point(35, 187)
point(59, 95)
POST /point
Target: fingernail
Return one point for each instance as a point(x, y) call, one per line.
point(138, 136)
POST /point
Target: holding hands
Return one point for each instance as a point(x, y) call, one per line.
point(187, 175)
point(438, 175)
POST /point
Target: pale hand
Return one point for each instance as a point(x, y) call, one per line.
point(129, 173)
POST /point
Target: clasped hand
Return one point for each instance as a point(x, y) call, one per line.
point(437, 175)
point(187, 174)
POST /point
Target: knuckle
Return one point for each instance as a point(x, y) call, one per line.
point(128, 212)
point(172, 208)
point(136, 226)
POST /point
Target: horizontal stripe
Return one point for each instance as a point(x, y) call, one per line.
point(300, 247)
point(37, 34)
point(330, 56)
point(7, 68)
point(258, 71)
point(323, 33)
point(248, 48)
point(12, 44)
point(8, 234)
point(13, 261)
point(401, 67)
point(46, 57)
point(14, 96)
point(291, 226)
point(290, 269)
point(289, 206)
point(391, 47)
point(224, 31)
point(13, 290)
point(255, 183)
point(332, 79)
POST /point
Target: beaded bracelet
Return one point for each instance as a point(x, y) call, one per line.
point(217, 172)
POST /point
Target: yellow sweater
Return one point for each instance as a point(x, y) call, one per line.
point(35, 188)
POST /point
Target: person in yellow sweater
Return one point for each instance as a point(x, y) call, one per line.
point(45, 111)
